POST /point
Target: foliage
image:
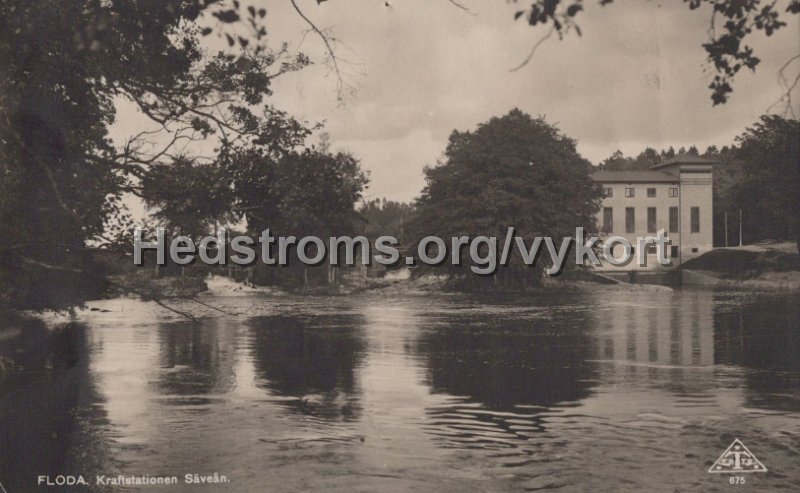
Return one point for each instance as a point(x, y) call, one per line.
point(191, 198)
point(513, 170)
point(386, 217)
point(769, 191)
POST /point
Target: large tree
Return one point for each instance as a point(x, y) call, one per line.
point(514, 170)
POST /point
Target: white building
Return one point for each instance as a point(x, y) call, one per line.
point(675, 195)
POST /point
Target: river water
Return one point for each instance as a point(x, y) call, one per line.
point(410, 391)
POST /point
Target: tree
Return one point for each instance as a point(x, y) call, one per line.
point(65, 64)
point(312, 192)
point(769, 191)
point(731, 24)
point(513, 170)
point(190, 198)
point(386, 217)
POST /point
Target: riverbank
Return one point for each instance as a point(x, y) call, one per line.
point(773, 266)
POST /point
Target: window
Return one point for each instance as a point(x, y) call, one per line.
point(674, 252)
point(651, 192)
point(608, 219)
point(629, 192)
point(673, 219)
point(673, 192)
point(651, 219)
point(695, 219)
point(608, 192)
point(630, 220)
point(695, 250)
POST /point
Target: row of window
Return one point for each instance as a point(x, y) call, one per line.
point(631, 192)
point(652, 220)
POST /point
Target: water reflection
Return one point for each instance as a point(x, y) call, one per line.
point(197, 359)
point(44, 416)
point(312, 359)
point(758, 336)
point(605, 390)
point(505, 367)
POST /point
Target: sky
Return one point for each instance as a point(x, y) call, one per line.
point(637, 77)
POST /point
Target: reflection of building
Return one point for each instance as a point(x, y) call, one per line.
point(677, 331)
point(675, 196)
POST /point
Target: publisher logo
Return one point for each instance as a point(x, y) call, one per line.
point(737, 459)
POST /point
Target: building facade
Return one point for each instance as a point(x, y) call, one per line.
point(675, 196)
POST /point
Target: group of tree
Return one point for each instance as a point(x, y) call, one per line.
point(67, 65)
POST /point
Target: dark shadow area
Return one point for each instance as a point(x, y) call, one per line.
point(762, 335)
point(49, 423)
point(196, 359)
point(313, 359)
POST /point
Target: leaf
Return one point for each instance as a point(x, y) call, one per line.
point(231, 41)
point(227, 16)
point(206, 31)
point(574, 9)
point(252, 11)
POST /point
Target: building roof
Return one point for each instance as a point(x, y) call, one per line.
point(647, 176)
point(684, 159)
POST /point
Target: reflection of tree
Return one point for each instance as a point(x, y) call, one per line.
point(313, 360)
point(196, 357)
point(44, 400)
point(505, 363)
point(766, 342)
point(512, 369)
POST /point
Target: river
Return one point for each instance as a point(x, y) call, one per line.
point(408, 391)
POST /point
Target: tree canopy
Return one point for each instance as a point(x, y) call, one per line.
point(514, 170)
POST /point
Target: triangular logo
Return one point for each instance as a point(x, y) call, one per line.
point(737, 459)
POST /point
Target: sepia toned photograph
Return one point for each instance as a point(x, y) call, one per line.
point(399, 246)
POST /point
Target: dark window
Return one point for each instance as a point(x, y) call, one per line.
point(694, 250)
point(630, 220)
point(695, 219)
point(608, 192)
point(673, 192)
point(674, 253)
point(673, 219)
point(651, 192)
point(608, 219)
point(629, 192)
point(651, 219)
